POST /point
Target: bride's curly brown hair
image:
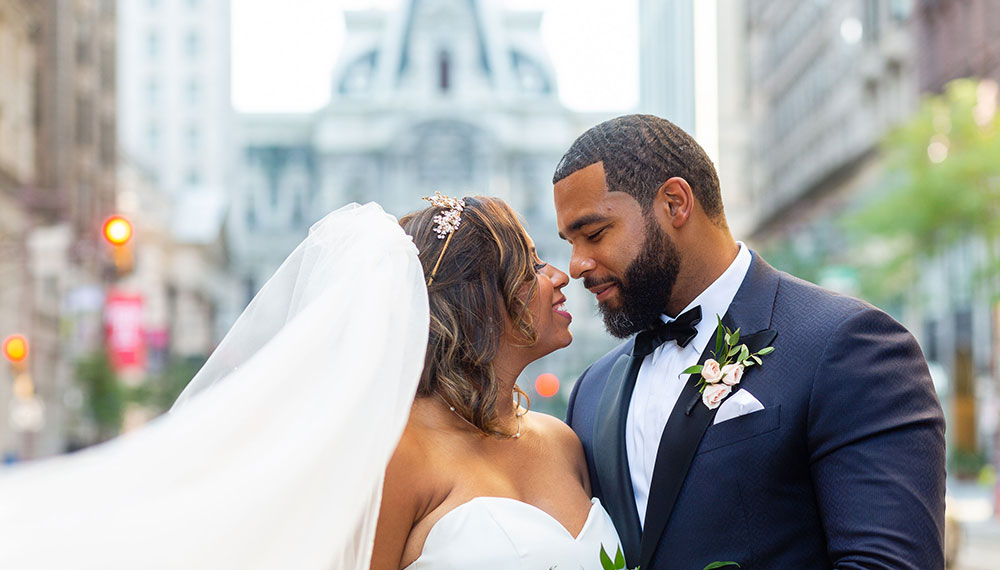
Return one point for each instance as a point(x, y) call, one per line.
point(482, 278)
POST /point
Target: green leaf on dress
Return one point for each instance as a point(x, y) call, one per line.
point(606, 562)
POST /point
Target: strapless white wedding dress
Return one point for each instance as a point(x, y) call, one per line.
point(497, 533)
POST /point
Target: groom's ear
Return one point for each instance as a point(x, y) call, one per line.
point(674, 202)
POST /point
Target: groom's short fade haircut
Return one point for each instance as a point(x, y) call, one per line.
point(640, 153)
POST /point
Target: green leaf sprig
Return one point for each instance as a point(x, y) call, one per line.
point(619, 562)
point(728, 351)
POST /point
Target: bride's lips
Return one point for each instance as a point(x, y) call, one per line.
point(560, 309)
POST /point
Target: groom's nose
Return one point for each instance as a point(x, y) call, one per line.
point(580, 264)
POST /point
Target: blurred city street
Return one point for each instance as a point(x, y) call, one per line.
point(159, 159)
point(980, 546)
point(979, 542)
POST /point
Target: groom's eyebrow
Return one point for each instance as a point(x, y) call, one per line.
point(584, 221)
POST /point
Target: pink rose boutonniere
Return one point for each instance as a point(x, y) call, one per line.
point(719, 377)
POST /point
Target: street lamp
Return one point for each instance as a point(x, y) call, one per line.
point(547, 384)
point(27, 414)
point(15, 350)
point(117, 231)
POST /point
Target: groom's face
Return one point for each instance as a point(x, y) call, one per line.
point(623, 256)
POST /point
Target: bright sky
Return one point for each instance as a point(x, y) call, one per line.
point(284, 51)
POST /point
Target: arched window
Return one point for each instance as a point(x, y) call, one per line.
point(444, 70)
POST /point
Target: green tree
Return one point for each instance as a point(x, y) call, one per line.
point(104, 395)
point(941, 185)
point(159, 392)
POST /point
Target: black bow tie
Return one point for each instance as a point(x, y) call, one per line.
point(682, 330)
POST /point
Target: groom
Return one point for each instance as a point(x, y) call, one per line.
point(829, 454)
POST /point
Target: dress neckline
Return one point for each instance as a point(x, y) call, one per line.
point(594, 503)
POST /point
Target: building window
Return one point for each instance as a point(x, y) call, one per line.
point(194, 4)
point(152, 93)
point(872, 21)
point(153, 45)
point(900, 9)
point(192, 45)
point(107, 67)
point(298, 216)
point(193, 177)
point(153, 137)
point(193, 139)
point(84, 121)
point(251, 289)
point(153, 4)
point(107, 143)
point(251, 215)
point(192, 92)
point(444, 67)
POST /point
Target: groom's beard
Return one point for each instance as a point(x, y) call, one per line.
point(645, 289)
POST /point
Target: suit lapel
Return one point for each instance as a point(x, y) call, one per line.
point(610, 455)
point(689, 419)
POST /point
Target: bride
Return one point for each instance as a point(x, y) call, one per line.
point(477, 481)
point(276, 454)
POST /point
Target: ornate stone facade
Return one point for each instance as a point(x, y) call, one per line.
point(450, 95)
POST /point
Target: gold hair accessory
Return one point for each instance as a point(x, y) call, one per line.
point(445, 222)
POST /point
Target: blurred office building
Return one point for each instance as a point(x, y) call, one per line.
point(828, 81)
point(18, 56)
point(450, 95)
point(693, 72)
point(961, 327)
point(178, 154)
point(175, 114)
point(57, 182)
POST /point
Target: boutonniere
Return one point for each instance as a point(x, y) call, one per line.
point(720, 374)
point(619, 562)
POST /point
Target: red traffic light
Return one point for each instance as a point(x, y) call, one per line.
point(117, 230)
point(15, 348)
point(547, 385)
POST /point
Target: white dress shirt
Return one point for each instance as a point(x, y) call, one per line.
point(659, 383)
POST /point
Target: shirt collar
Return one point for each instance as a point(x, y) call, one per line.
point(716, 298)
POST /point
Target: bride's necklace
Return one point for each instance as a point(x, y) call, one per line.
point(517, 415)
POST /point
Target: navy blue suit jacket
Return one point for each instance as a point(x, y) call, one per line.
point(843, 468)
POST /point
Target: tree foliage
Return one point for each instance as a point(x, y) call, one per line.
point(104, 396)
point(942, 182)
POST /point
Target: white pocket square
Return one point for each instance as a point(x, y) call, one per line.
point(741, 403)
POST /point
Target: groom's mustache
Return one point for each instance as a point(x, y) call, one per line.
point(590, 282)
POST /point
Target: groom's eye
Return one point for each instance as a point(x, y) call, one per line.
point(596, 235)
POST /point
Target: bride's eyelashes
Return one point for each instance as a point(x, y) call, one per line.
point(540, 266)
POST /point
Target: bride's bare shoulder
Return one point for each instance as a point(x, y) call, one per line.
point(554, 429)
point(414, 445)
point(560, 438)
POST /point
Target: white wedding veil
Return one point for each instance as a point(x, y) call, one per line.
point(274, 455)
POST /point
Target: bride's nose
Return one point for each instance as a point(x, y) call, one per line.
point(558, 278)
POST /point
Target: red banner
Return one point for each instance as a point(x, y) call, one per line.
point(123, 323)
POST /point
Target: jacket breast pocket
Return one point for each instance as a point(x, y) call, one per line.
point(740, 429)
